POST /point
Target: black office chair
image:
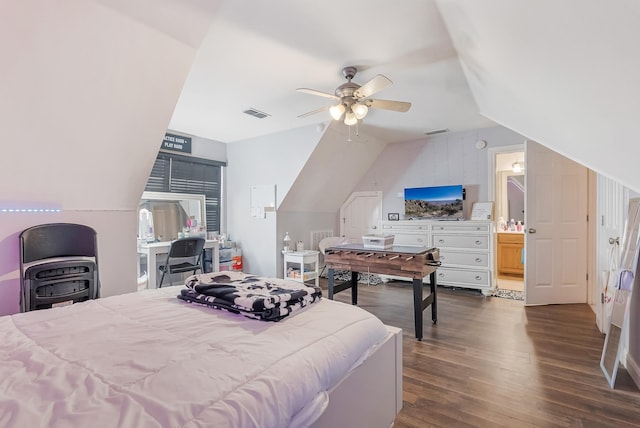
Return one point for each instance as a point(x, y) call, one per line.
point(185, 248)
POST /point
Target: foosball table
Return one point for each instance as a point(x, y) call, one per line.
point(405, 261)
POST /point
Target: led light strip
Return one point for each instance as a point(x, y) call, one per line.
point(30, 210)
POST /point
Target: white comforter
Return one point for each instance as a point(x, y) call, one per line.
point(147, 359)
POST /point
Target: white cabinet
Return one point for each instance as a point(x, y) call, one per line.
point(301, 266)
point(466, 248)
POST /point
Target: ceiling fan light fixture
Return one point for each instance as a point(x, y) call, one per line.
point(350, 119)
point(359, 110)
point(337, 111)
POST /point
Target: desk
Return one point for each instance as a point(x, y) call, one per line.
point(156, 248)
point(406, 261)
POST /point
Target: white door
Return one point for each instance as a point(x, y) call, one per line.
point(612, 198)
point(361, 215)
point(556, 239)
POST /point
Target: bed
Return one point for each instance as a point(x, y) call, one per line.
point(148, 359)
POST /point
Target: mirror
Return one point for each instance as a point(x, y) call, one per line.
point(510, 196)
point(618, 310)
point(515, 197)
point(167, 216)
point(510, 186)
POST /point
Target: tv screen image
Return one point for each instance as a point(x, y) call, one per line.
point(439, 202)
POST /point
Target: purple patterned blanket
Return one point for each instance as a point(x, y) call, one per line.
point(266, 299)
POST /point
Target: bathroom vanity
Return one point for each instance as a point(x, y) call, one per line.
point(510, 254)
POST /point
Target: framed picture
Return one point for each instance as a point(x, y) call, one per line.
point(393, 216)
point(482, 211)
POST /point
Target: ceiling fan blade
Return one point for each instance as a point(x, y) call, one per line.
point(378, 83)
point(318, 110)
point(320, 94)
point(400, 106)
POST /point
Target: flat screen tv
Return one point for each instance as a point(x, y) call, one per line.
point(439, 202)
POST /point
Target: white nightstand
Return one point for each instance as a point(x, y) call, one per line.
point(302, 266)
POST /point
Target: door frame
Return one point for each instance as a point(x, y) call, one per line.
point(492, 153)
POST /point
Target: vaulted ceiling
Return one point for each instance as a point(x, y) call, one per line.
point(257, 53)
point(562, 73)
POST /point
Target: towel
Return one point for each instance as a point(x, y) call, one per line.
point(265, 299)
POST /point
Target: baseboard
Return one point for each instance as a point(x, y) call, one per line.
point(634, 369)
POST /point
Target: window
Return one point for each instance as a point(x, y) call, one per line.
point(183, 174)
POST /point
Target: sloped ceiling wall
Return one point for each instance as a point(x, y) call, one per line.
point(333, 169)
point(562, 73)
point(87, 93)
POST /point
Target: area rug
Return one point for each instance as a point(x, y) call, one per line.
point(363, 278)
point(508, 294)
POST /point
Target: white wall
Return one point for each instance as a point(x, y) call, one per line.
point(333, 167)
point(87, 93)
point(276, 159)
point(439, 160)
point(560, 73)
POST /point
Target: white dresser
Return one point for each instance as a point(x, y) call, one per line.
point(466, 248)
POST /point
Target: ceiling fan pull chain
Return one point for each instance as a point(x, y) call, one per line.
point(357, 129)
point(349, 134)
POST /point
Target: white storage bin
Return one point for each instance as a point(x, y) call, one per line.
point(377, 242)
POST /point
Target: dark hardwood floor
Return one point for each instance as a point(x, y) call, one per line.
point(492, 362)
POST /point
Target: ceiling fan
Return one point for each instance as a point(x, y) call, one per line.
point(353, 100)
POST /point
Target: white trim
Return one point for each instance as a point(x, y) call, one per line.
point(492, 153)
point(633, 368)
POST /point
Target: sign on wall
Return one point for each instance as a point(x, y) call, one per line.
point(176, 143)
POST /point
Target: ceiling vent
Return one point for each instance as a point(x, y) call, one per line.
point(256, 113)
point(437, 131)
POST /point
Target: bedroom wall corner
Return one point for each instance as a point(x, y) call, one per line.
point(88, 92)
point(276, 159)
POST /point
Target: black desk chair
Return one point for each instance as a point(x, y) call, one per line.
point(185, 248)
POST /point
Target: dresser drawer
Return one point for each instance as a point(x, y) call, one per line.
point(463, 277)
point(405, 226)
point(411, 239)
point(473, 260)
point(480, 242)
point(461, 227)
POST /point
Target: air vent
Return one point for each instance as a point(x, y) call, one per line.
point(437, 131)
point(256, 113)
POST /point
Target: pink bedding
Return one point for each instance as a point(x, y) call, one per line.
point(147, 359)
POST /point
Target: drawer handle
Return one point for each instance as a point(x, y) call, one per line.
point(478, 242)
point(478, 259)
point(478, 277)
point(419, 240)
point(441, 241)
point(441, 275)
point(442, 257)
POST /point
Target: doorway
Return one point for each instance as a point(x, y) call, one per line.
point(508, 185)
point(361, 215)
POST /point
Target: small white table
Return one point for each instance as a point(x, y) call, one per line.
point(157, 248)
point(304, 264)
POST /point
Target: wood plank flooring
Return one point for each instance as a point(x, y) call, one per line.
point(492, 362)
